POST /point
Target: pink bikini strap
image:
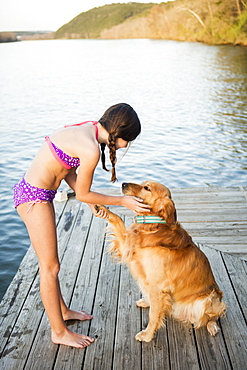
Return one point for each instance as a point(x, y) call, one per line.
point(47, 139)
point(33, 202)
point(93, 122)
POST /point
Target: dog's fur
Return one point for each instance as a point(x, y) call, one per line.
point(173, 274)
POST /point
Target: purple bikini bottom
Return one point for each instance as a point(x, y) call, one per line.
point(26, 193)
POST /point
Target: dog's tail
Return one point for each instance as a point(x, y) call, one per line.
point(201, 310)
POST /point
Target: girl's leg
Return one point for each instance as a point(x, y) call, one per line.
point(67, 313)
point(40, 222)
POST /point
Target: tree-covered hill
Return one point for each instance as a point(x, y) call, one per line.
point(209, 21)
point(90, 24)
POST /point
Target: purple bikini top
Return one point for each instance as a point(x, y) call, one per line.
point(64, 159)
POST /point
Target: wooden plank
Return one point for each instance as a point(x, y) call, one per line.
point(231, 239)
point(212, 351)
point(99, 355)
point(209, 197)
point(222, 239)
point(84, 294)
point(207, 189)
point(128, 322)
point(127, 351)
point(224, 225)
point(210, 206)
point(202, 199)
point(209, 229)
point(182, 346)
point(14, 299)
point(59, 209)
point(24, 331)
point(233, 326)
point(235, 212)
point(199, 193)
point(237, 272)
point(15, 296)
point(155, 352)
point(244, 191)
point(70, 265)
point(200, 216)
point(226, 248)
point(230, 236)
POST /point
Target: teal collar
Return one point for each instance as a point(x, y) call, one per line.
point(149, 220)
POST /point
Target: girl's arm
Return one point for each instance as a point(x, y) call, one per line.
point(71, 181)
point(71, 178)
point(81, 184)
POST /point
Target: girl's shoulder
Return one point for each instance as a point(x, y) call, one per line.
point(77, 141)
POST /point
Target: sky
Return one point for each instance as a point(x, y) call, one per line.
point(45, 15)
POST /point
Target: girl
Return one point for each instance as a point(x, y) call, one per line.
point(57, 159)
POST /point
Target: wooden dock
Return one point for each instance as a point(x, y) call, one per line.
point(215, 217)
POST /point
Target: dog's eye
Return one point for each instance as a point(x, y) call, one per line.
point(147, 188)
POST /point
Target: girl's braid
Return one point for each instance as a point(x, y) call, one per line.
point(103, 156)
point(113, 158)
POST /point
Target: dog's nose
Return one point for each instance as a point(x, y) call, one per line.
point(124, 185)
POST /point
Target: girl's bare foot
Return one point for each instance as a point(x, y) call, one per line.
point(76, 315)
point(68, 338)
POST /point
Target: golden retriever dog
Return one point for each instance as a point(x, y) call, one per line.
point(173, 274)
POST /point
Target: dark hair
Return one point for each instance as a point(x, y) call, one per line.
point(120, 121)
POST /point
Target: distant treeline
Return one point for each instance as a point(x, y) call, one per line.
point(25, 35)
point(8, 37)
point(91, 24)
point(210, 21)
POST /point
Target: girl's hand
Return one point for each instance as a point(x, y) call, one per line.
point(135, 204)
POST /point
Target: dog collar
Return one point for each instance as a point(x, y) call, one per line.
point(149, 220)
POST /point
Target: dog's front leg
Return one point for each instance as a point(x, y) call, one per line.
point(118, 227)
point(160, 303)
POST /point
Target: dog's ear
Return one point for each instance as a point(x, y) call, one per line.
point(165, 208)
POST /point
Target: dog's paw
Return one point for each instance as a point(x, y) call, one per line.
point(98, 207)
point(144, 336)
point(101, 211)
point(142, 303)
point(213, 328)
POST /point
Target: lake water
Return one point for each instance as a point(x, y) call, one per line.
point(191, 99)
